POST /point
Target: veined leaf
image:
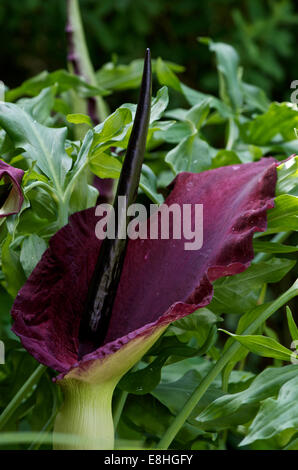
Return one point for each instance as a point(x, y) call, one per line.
point(113, 76)
point(198, 113)
point(105, 166)
point(64, 80)
point(194, 97)
point(112, 126)
point(271, 247)
point(32, 250)
point(265, 385)
point(275, 415)
point(175, 133)
point(225, 157)
point(227, 65)
point(12, 268)
point(166, 76)
point(280, 119)
point(159, 103)
point(148, 184)
point(42, 144)
point(292, 325)
point(284, 215)
point(239, 293)
point(174, 394)
point(40, 106)
point(287, 181)
point(262, 346)
point(192, 154)
point(79, 118)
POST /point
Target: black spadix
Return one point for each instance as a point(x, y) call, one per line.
point(103, 286)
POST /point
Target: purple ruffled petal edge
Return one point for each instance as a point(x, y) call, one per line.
point(234, 254)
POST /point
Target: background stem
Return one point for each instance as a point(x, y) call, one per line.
point(219, 366)
point(21, 394)
point(78, 55)
point(119, 407)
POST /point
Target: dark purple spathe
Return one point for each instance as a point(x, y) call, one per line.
point(13, 200)
point(160, 281)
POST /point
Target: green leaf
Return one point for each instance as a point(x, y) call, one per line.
point(32, 250)
point(265, 385)
point(292, 325)
point(275, 415)
point(194, 97)
point(145, 380)
point(198, 113)
point(149, 185)
point(272, 247)
point(225, 157)
point(63, 79)
point(287, 177)
point(120, 77)
point(284, 215)
point(192, 154)
point(175, 133)
point(166, 76)
point(227, 65)
point(105, 166)
point(262, 346)
point(41, 106)
point(41, 144)
point(150, 418)
point(112, 126)
point(79, 118)
point(174, 394)
point(197, 325)
point(250, 316)
point(255, 97)
point(12, 268)
point(236, 294)
point(245, 320)
point(280, 119)
point(113, 76)
point(158, 104)
point(83, 195)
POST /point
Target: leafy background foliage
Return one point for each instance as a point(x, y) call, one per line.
point(263, 33)
point(230, 120)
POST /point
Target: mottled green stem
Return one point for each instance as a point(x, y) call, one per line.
point(81, 55)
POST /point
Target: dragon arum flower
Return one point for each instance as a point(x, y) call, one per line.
point(91, 309)
point(11, 196)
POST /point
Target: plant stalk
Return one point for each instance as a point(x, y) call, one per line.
point(78, 56)
point(21, 394)
point(219, 366)
point(86, 414)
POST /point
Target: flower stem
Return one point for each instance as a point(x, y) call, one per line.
point(21, 394)
point(62, 213)
point(87, 414)
point(79, 56)
point(119, 407)
point(219, 366)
